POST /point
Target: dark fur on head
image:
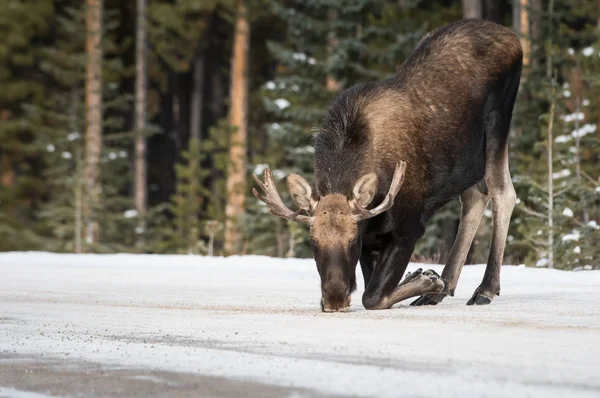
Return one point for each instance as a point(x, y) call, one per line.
point(342, 142)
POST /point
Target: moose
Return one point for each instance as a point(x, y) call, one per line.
point(390, 153)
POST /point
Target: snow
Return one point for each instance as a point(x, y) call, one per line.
point(73, 136)
point(597, 189)
point(303, 150)
point(542, 262)
point(571, 51)
point(567, 93)
point(260, 168)
point(573, 116)
point(67, 155)
point(574, 236)
point(562, 139)
point(593, 224)
point(588, 51)
point(282, 103)
point(270, 85)
point(300, 56)
point(132, 213)
point(112, 155)
point(13, 393)
point(586, 129)
point(567, 212)
point(257, 319)
point(561, 174)
point(585, 102)
point(577, 250)
point(50, 148)
point(279, 174)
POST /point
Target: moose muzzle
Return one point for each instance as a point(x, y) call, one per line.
point(336, 294)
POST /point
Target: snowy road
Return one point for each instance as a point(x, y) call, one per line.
point(125, 325)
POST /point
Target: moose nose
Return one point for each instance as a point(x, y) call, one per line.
point(334, 301)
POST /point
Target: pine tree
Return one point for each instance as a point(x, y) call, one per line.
point(23, 26)
point(552, 225)
point(59, 120)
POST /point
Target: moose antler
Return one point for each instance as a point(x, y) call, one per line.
point(271, 198)
point(388, 201)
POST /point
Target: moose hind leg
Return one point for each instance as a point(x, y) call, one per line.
point(503, 198)
point(473, 203)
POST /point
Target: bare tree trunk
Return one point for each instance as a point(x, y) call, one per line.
point(331, 82)
point(291, 243)
point(472, 9)
point(78, 189)
point(521, 27)
point(549, 66)
point(93, 115)
point(236, 173)
point(197, 97)
point(551, 182)
point(196, 106)
point(492, 10)
point(141, 187)
point(78, 193)
point(7, 172)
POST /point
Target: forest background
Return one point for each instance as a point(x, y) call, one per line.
point(135, 126)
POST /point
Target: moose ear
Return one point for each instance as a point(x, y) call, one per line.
point(301, 192)
point(365, 188)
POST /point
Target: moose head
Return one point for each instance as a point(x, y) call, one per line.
point(334, 226)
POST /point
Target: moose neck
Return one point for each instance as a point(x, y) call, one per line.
point(361, 134)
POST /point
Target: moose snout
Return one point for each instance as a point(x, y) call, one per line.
point(335, 298)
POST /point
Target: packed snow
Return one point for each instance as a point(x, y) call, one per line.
point(257, 320)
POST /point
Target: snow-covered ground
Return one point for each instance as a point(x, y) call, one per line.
point(251, 326)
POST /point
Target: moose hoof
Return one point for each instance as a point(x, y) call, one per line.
point(479, 299)
point(484, 295)
point(429, 299)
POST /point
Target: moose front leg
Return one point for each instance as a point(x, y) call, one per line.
point(383, 289)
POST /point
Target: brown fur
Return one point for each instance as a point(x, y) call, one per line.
point(333, 227)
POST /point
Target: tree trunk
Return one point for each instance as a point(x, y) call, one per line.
point(331, 82)
point(93, 115)
point(197, 95)
point(472, 9)
point(141, 188)
point(79, 183)
point(551, 181)
point(521, 27)
point(236, 171)
point(549, 66)
point(492, 10)
point(7, 173)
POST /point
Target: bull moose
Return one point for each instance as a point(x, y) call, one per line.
point(391, 153)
